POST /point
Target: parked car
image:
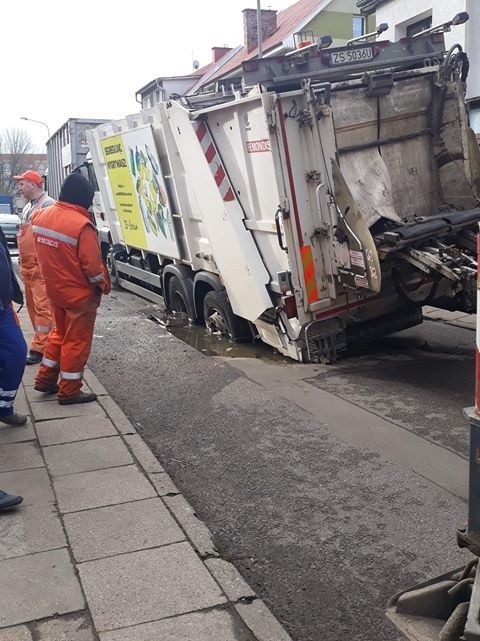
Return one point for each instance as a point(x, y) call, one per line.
point(10, 224)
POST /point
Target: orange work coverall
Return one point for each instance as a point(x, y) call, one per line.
point(36, 298)
point(75, 278)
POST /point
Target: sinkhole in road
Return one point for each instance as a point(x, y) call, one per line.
point(210, 343)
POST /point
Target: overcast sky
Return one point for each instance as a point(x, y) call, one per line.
point(86, 58)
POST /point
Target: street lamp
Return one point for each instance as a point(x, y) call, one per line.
point(38, 122)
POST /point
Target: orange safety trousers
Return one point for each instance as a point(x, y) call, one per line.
point(38, 306)
point(68, 348)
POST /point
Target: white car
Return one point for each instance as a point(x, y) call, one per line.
point(10, 224)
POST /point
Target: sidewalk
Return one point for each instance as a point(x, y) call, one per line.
point(104, 547)
point(459, 319)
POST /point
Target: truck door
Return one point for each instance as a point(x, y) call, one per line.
point(320, 203)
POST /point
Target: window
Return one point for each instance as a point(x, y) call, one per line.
point(358, 26)
point(419, 26)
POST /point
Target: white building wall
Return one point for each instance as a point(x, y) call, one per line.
point(398, 14)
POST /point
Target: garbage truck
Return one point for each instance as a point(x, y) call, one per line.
point(67, 150)
point(325, 199)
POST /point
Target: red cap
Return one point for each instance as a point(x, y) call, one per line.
point(33, 176)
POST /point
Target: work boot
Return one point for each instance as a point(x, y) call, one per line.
point(34, 357)
point(83, 397)
point(51, 389)
point(7, 501)
point(15, 420)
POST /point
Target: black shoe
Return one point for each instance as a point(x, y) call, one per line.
point(16, 420)
point(34, 357)
point(53, 389)
point(83, 397)
point(7, 501)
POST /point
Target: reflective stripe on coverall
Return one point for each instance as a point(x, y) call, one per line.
point(13, 352)
point(75, 276)
point(36, 298)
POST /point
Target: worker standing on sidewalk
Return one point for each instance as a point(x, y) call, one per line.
point(13, 348)
point(75, 276)
point(38, 305)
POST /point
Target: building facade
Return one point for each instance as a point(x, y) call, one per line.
point(301, 23)
point(409, 17)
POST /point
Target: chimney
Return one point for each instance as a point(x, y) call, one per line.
point(269, 25)
point(219, 52)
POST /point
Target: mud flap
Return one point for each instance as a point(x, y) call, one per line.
point(324, 339)
point(364, 271)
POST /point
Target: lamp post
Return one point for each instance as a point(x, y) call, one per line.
point(38, 122)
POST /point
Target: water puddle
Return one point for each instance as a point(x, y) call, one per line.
point(209, 343)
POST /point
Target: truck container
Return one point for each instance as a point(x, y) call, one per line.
point(327, 200)
point(67, 150)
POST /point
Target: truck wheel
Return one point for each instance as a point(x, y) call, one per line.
point(219, 317)
point(178, 297)
point(112, 270)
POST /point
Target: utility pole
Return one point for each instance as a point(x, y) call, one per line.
point(259, 29)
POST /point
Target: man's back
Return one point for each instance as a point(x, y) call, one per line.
point(68, 253)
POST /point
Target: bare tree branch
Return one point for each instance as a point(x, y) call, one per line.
point(16, 148)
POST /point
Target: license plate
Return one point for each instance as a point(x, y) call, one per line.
point(351, 55)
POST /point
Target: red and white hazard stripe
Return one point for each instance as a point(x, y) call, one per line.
point(214, 161)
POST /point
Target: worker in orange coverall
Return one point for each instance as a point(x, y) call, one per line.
point(75, 277)
point(38, 305)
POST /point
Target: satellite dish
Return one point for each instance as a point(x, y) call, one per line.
point(196, 64)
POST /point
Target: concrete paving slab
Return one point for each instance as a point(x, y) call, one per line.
point(30, 529)
point(215, 625)
point(230, 579)
point(39, 397)
point(441, 314)
point(68, 430)
point(70, 627)
point(21, 405)
point(85, 456)
point(49, 411)
point(118, 529)
point(144, 586)
point(20, 456)
point(100, 488)
point(261, 622)
point(34, 485)
point(18, 633)
point(38, 586)
point(16, 434)
point(143, 454)
point(29, 375)
point(93, 383)
point(119, 419)
point(196, 530)
point(164, 484)
point(468, 322)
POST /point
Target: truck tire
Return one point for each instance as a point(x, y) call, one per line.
point(112, 271)
point(219, 317)
point(178, 297)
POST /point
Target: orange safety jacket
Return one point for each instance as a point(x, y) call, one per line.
point(69, 255)
point(26, 246)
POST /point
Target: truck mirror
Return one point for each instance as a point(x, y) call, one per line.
point(382, 27)
point(460, 18)
point(324, 41)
